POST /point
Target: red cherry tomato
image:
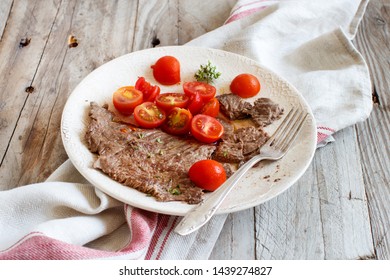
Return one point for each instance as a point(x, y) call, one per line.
point(168, 101)
point(125, 99)
point(206, 129)
point(195, 103)
point(178, 121)
point(166, 70)
point(206, 91)
point(149, 91)
point(148, 115)
point(207, 174)
point(211, 108)
point(245, 85)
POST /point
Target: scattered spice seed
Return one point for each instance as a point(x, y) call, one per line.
point(72, 41)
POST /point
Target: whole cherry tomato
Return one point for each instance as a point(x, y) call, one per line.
point(207, 174)
point(245, 85)
point(166, 70)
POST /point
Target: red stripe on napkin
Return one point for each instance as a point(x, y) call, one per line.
point(37, 246)
point(243, 14)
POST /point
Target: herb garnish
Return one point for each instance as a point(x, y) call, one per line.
point(207, 73)
point(175, 190)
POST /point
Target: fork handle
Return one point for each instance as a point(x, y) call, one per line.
point(202, 213)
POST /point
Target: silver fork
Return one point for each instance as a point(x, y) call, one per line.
point(274, 149)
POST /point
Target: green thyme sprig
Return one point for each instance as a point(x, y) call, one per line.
point(207, 73)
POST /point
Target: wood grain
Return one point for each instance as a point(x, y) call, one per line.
point(323, 216)
point(236, 241)
point(35, 147)
point(373, 135)
point(20, 65)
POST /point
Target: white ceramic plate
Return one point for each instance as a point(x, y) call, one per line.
point(262, 183)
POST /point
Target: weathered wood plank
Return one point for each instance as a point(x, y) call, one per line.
point(18, 66)
point(164, 23)
point(374, 134)
point(324, 215)
point(5, 9)
point(36, 148)
point(236, 241)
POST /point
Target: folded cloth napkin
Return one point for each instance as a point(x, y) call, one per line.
point(305, 42)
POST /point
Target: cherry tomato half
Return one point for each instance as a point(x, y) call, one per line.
point(211, 108)
point(125, 99)
point(207, 174)
point(178, 121)
point(206, 129)
point(167, 101)
point(166, 70)
point(206, 91)
point(148, 115)
point(195, 103)
point(245, 85)
point(149, 91)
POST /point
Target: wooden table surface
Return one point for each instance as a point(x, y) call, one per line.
point(339, 209)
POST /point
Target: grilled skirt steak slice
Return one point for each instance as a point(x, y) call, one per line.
point(234, 107)
point(265, 111)
point(242, 145)
point(148, 160)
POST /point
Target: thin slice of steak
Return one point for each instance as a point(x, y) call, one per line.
point(234, 107)
point(241, 146)
point(148, 160)
point(264, 111)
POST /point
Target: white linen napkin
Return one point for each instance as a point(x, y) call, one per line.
point(308, 44)
point(305, 42)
